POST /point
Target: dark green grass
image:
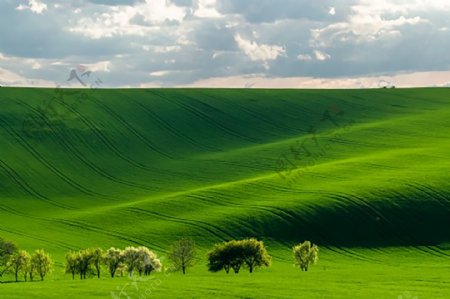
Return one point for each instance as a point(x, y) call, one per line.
point(131, 167)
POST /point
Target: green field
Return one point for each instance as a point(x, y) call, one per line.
point(362, 173)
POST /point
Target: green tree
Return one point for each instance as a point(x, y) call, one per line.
point(305, 254)
point(98, 257)
point(235, 254)
point(122, 269)
point(216, 261)
point(113, 260)
point(182, 254)
point(85, 262)
point(27, 269)
point(147, 262)
point(131, 259)
point(42, 263)
point(72, 263)
point(19, 263)
point(255, 254)
point(7, 249)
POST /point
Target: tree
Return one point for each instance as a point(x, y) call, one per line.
point(255, 254)
point(113, 260)
point(97, 259)
point(225, 256)
point(305, 254)
point(72, 263)
point(7, 249)
point(84, 262)
point(31, 269)
point(216, 261)
point(147, 261)
point(233, 254)
point(122, 269)
point(19, 263)
point(131, 259)
point(42, 262)
point(182, 254)
point(27, 268)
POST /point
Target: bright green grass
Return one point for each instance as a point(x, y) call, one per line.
point(381, 276)
point(130, 167)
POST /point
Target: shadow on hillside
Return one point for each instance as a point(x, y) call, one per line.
point(419, 216)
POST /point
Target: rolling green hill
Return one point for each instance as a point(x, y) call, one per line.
point(355, 171)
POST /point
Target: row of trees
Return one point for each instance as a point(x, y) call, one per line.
point(235, 255)
point(251, 254)
point(142, 260)
point(20, 262)
point(131, 259)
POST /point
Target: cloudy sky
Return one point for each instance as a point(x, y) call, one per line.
point(229, 43)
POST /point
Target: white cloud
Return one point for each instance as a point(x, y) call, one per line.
point(321, 56)
point(162, 49)
point(36, 66)
point(35, 6)
point(118, 20)
point(8, 77)
point(101, 66)
point(260, 81)
point(263, 52)
point(304, 57)
point(332, 11)
point(372, 20)
point(159, 73)
point(207, 9)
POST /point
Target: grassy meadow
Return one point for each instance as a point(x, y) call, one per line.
point(362, 173)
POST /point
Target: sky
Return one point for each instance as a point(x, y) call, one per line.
point(225, 43)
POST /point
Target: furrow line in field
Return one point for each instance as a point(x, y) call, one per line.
point(27, 188)
point(208, 119)
point(166, 125)
point(106, 141)
point(131, 129)
point(102, 231)
point(20, 140)
point(51, 242)
point(66, 143)
point(208, 227)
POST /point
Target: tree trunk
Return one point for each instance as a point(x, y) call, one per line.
point(250, 268)
point(184, 269)
point(16, 277)
point(73, 275)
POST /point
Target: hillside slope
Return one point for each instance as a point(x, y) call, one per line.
point(113, 167)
